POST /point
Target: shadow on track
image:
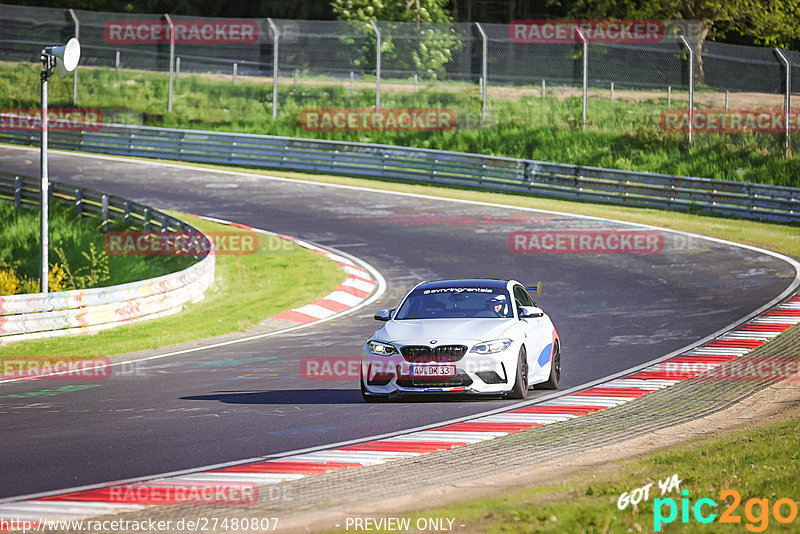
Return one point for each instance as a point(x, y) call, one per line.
point(322, 396)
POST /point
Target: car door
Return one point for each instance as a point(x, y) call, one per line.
point(538, 335)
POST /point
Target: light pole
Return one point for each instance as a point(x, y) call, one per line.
point(63, 59)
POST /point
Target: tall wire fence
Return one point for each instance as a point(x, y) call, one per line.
point(230, 71)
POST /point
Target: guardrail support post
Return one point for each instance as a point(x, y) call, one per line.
point(146, 219)
point(127, 213)
point(164, 223)
point(585, 42)
point(484, 71)
point(75, 72)
point(79, 202)
point(171, 59)
point(691, 85)
point(18, 191)
point(377, 66)
point(787, 102)
point(275, 59)
point(104, 213)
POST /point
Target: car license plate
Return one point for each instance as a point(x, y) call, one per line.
point(432, 370)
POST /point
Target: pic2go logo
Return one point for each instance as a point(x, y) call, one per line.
point(756, 511)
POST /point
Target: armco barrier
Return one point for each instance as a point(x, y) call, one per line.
point(748, 200)
point(39, 315)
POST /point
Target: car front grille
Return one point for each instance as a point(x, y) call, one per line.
point(425, 354)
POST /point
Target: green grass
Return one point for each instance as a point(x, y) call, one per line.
point(73, 236)
point(623, 134)
point(247, 289)
point(759, 463)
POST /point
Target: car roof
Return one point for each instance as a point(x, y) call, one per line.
point(491, 283)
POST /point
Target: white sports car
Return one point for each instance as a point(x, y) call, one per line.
point(480, 336)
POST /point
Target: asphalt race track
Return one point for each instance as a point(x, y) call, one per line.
point(248, 400)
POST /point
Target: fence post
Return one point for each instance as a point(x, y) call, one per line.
point(275, 57)
point(296, 77)
point(786, 98)
point(352, 80)
point(235, 68)
point(116, 62)
point(484, 72)
point(75, 72)
point(416, 79)
point(691, 85)
point(585, 42)
point(171, 59)
point(612, 91)
point(377, 66)
point(177, 68)
point(544, 91)
point(727, 97)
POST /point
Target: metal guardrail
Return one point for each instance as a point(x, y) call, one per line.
point(741, 199)
point(37, 315)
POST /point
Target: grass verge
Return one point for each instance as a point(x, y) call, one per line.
point(76, 252)
point(247, 289)
point(759, 463)
point(625, 134)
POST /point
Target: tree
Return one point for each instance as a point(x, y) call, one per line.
point(422, 40)
point(767, 22)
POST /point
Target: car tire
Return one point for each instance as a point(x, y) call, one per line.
point(520, 390)
point(555, 370)
point(371, 397)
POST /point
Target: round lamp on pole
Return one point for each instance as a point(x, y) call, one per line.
point(64, 59)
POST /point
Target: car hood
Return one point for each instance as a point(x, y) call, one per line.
point(450, 330)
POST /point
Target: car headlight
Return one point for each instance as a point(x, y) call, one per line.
point(490, 347)
point(381, 349)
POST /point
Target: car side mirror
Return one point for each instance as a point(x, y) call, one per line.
point(383, 315)
point(528, 312)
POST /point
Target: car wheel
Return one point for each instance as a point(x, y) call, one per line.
point(520, 390)
point(555, 370)
point(370, 397)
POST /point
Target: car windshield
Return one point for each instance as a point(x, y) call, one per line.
point(455, 302)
